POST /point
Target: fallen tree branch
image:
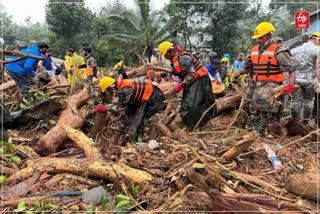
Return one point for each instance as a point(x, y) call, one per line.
point(92, 165)
point(71, 117)
point(7, 85)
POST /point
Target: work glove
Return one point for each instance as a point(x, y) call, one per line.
point(288, 89)
point(101, 108)
point(217, 81)
point(179, 87)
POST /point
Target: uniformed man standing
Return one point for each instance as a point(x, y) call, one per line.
point(266, 65)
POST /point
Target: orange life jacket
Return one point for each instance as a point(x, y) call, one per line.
point(200, 69)
point(142, 89)
point(265, 66)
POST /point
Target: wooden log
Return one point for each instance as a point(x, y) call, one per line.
point(92, 165)
point(227, 103)
point(7, 85)
point(258, 181)
point(163, 129)
point(244, 203)
point(71, 117)
point(310, 164)
point(305, 185)
point(99, 123)
point(240, 147)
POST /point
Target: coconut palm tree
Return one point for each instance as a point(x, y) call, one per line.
point(141, 31)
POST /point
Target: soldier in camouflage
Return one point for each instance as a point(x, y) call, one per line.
point(308, 56)
point(266, 65)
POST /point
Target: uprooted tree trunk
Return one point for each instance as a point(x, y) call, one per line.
point(71, 117)
point(92, 165)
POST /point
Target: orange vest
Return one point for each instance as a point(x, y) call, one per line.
point(200, 69)
point(265, 66)
point(89, 70)
point(142, 89)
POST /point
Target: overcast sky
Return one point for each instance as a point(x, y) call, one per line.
point(22, 9)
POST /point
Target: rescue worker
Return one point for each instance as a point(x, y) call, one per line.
point(120, 69)
point(155, 76)
point(194, 80)
point(107, 87)
point(308, 71)
point(212, 56)
point(91, 64)
point(213, 72)
point(223, 68)
point(22, 71)
point(266, 65)
point(238, 65)
point(139, 98)
point(72, 60)
point(197, 53)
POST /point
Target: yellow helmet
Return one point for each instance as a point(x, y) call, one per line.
point(315, 34)
point(119, 65)
point(262, 29)
point(224, 59)
point(105, 83)
point(164, 47)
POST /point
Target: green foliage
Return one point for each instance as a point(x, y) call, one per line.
point(71, 21)
point(3, 179)
point(16, 159)
point(123, 202)
point(141, 30)
point(21, 207)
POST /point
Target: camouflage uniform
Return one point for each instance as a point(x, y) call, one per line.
point(303, 100)
point(260, 91)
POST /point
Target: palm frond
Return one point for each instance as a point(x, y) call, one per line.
point(123, 21)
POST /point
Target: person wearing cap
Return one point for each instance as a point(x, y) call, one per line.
point(107, 88)
point(238, 65)
point(223, 70)
point(267, 63)
point(226, 55)
point(213, 68)
point(120, 68)
point(212, 56)
point(194, 81)
point(90, 65)
point(308, 75)
point(139, 98)
point(22, 70)
point(73, 60)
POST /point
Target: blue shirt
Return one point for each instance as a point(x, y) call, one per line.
point(212, 71)
point(47, 63)
point(238, 65)
point(27, 65)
